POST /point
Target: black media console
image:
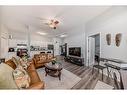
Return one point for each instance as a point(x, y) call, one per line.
point(76, 60)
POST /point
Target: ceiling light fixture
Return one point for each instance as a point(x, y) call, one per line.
point(42, 33)
point(53, 23)
point(62, 36)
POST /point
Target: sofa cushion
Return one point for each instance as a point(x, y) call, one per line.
point(40, 62)
point(49, 56)
point(31, 67)
point(21, 77)
point(43, 58)
point(37, 57)
point(16, 61)
point(11, 63)
point(23, 62)
point(34, 76)
point(6, 78)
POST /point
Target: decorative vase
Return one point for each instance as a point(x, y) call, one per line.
point(53, 62)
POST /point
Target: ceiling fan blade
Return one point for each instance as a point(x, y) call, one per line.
point(46, 23)
point(40, 18)
point(51, 23)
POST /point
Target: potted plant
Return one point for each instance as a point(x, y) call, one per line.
point(54, 61)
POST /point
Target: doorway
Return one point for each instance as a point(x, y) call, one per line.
point(4, 47)
point(93, 49)
point(64, 50)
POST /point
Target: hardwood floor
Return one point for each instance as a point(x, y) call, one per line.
point(88, 80)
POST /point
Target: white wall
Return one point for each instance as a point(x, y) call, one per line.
point(4, 42)
point(77, 39)
point(22, 38)
point(0, 30)
point(40, 40)
point(112, 21)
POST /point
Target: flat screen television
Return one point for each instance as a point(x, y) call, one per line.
point(75, 51)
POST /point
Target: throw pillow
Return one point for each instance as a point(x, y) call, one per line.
point(23, 63)
point(16, 61)
point(43, 58)
point(37, 57)
point(6, 78)
point(21, 77)
point(50, 56)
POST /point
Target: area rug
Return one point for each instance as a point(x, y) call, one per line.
point(68, 80)
point(101, 85)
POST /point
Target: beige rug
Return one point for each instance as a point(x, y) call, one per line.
point(102, 86)
point(68, 80)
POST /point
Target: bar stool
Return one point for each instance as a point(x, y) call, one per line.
point(99, 67)
point(108, 65)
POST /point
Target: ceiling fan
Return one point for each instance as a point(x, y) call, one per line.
point(52, 23)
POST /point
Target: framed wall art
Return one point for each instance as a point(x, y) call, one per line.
point(108, 39)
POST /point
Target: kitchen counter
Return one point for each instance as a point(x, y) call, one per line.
point(114, 60)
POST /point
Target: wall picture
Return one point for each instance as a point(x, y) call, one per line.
point(118, 39)
point(108, 39)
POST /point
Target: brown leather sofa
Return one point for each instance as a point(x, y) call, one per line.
point(41, 59)
point(36, 83)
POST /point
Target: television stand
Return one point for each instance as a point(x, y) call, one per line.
point(75, 60)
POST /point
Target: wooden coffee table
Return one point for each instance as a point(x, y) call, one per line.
point(53, 69)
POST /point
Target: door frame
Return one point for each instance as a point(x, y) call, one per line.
point(88, 46)
point(1, 47)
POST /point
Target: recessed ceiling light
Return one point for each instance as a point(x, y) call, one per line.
point(62, 36)
point(42, 33)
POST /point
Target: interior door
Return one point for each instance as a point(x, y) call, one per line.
point(57, 49)
point(91, 50)
point(4, 47)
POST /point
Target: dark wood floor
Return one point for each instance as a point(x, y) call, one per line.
point(88, 80)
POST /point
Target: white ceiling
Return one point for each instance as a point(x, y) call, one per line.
point(70, 17)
